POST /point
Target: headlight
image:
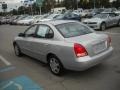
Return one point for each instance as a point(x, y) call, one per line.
point(31, 22)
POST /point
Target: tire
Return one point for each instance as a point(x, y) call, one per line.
point(55, 65)
point(118, 23)
point(102, 26)
point(17, 50)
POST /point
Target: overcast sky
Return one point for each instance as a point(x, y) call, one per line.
point(16, 1)
point(10, 1)
point(14, 4)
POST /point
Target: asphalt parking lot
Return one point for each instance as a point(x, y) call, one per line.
point(26, 73)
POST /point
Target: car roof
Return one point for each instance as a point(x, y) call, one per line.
point(56, 22)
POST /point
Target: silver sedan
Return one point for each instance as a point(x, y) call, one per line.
point(103, 20)
point(64, 45)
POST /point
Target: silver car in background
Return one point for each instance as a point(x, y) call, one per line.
point(64, 45)
point(103, 20)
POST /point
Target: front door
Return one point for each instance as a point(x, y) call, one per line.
point(27, 40)
point(41, 44)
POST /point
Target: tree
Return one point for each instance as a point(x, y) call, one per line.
point(21, 10)
point(69, 4)
point(116, 3)
point(90, 3)
point(48, 5)
point(14, 12)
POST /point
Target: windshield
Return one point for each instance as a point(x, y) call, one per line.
point(37, 17)
point(28, 17)
point(59, 17)
point(101, 16)
point(21, 17)
point(52, 16)
point(72, 29)
point(107, 10)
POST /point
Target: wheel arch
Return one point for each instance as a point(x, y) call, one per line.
point(103, 22)
point(118, 22)
point(14, 42)
point(48, 55)
point(52, 54)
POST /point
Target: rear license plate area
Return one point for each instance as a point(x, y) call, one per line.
point(99, 47)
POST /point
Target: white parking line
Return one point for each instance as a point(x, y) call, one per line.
point(5, 61)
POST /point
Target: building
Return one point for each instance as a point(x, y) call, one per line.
point(11, 4)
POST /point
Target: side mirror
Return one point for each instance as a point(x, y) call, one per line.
point(21, 35)
point(49, 35)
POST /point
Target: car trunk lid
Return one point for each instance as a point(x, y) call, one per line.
point(93, 43)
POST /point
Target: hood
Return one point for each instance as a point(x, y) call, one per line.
point(118, 12)
point(45, 20)
point(93, 20)
point(29, 20)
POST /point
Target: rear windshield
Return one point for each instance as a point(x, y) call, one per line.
point(72, 29)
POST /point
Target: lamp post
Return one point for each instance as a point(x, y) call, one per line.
point(40, 10)
point(31, 3)
point(77, 3)
point(17, 10)
point(22, 2)
point(94, 4)
point(39, 3)
point(11, 9)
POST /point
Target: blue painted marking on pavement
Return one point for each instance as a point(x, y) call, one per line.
point(6, 69)
point(19, 83)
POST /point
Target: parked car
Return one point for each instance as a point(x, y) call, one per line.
point(26, 21)
point(0, 20)
point(3, 20)
point(69, 16)
point(64, 45)
point(11, 22)
point(103, 20)
point(78, 12)
point(119, 8)
point(117, 12)
point(49, 17)
point(18, 18)
point(39, 18)
point(93, 12)
point(109, 10)
point(85, 13)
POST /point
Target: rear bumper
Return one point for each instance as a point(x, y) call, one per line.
point(87, 62)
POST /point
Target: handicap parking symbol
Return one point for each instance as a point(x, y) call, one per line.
point(12, 84)
point(19, 83)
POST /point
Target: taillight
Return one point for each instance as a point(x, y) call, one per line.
point(79, 50)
